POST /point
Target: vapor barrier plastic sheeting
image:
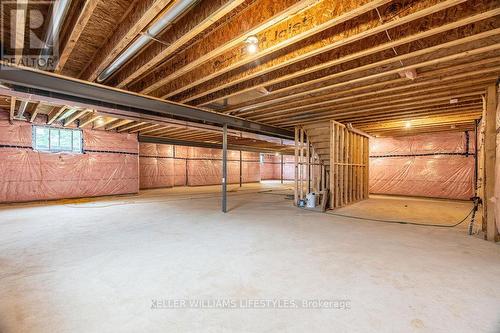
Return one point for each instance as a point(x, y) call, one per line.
point(110, 141)
point(193, 166)
point(17, 134)
point(271, 167)
point(453, 142)
point(28, 175)
point(450, 177)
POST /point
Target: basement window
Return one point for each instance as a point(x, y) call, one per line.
point(56, 140)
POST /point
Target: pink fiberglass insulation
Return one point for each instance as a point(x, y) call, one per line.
point(154, 150)
point(271, 167)
point(156, 172)
point(193, 166)
point(28, 175)
point(180, 166)
point(431, 165)
point(453, 142)
point(448, 177)
point(17, 134)
point(267, 167)
point(110, 141)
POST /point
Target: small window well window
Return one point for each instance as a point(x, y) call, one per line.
point(57, 139)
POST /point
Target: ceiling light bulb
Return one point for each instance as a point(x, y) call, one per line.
point(252, 44)
point(408, 124)
point(252, 48)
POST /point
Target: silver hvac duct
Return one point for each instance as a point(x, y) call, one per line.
point(170, 16)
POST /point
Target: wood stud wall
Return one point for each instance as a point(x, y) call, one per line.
point(349, 160)
point(332, 160)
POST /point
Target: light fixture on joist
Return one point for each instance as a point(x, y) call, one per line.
point(252, 43)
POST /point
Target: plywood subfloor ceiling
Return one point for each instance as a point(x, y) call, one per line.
point(388, 67)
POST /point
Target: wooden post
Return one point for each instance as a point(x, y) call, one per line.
point(333, 195)
point(301, 166)
point(490, 135)
point(308, 167)
point(313, 170)
point(296, 187)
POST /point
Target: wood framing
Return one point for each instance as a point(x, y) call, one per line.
point(490, 139)
point(200, 19)
point(212, 91)
point(138, 19)
point(225, 38)
point(83, 19)
point(319, 17)
point(343, 155)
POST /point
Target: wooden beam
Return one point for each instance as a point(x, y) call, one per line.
point(150, 129)
point(104, 123)
point(387, 108)
point(414, 114)
point(89, 119)
point(12, 109)
point(319, 17)
point(22, 108)
point(20, 28)
point(252, 79)
point(199, 19)
point(232, 84)
point(226, 37)
point(397, 92)
point(322, 88)
point(459, 91)
point(35, 112)
point(296, 168)
point(84, 17)
point(56, 112)
point(145, 128)
point(118, 123)
point(143, 12)
point(490, 138)
point(129, 127)
point(75, 116)
point(441, 77)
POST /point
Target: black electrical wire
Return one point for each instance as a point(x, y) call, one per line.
point(407, 222)
point(396, 222)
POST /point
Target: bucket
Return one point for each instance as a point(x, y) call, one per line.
point(311, 200)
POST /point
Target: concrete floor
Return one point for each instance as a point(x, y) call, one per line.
point(98, 265)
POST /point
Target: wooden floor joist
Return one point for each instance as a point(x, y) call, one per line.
point(235, 85)
point(136, 21)
point(187, 28)
point(321, 85)
point(372, 63)
point(326, 15)
point(84, 17)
